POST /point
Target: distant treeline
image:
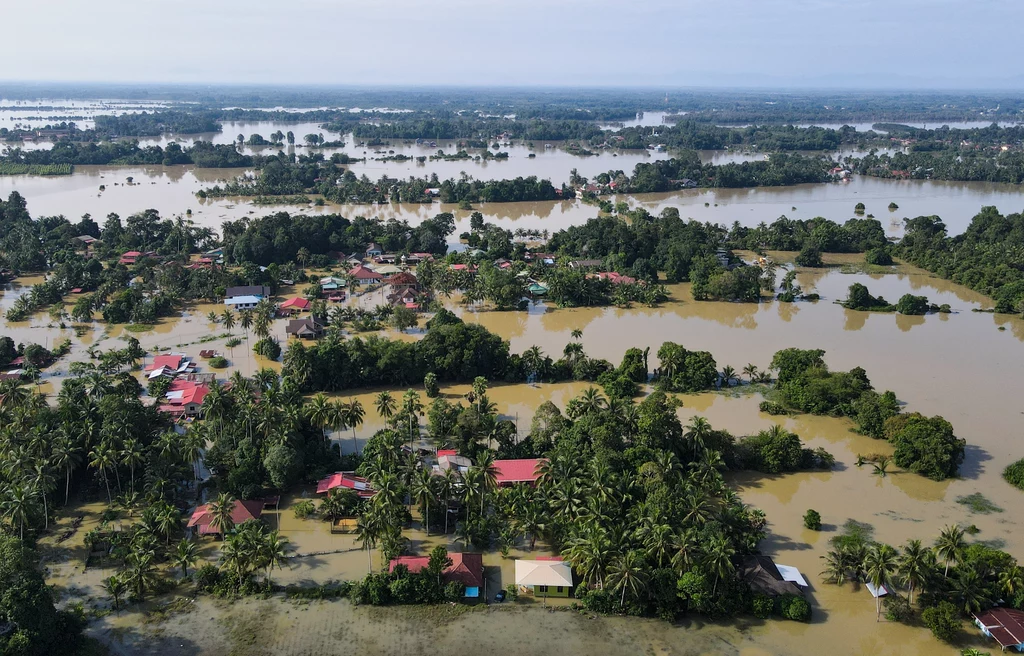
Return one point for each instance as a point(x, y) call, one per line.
point(962, 165)
point(202, 154)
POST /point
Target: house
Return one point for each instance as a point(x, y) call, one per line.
point(466, 568)
point(261, 291)
point(365, 276)
point(330, 283)
point(468, 268)
point(585, 264)
point(1004, 625)
point(386, 258)
point(502, 263)
point(616, 278)
point(537, 289)
point(547, 259)
point(406, 296)
point(297, 304)
point(184, 398)
point(404, 279)
point(460, 464)
point(243, 302)
point(174, 362)
point(346, 480)
point(764, 576)
point(373, 250)
point(386, 270)
point(433, 192)
point(524, 470)
point(129, 257)
point(548, 577)
point(243, 511)
point(307, 328)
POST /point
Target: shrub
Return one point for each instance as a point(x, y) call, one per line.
point(206, 577)
point(913, 305)
point(925, 445)
point(878, 256)
point(794, 608)
point(772, 408)
point(943, 620)
point(511, 592)
point(454, 591)
point(268, 347)
point(809, 257)
point(598, 601)
point(218, 362)
point(812, 520)
point(1014, 474)
point(304, 509)
point(232, 343)
point(897, 608)
point(762, 606)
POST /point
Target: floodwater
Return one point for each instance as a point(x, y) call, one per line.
point(172, 191)
point(917, 357)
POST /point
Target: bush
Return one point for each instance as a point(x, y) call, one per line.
point(772, 408)
point(598, 601)
point(304, 509)
point(812, 520)
point(897, 608)
point(218, 362)
point(206, 577)
point(925, 445)
point(809, 257)
point(762, 606)
point(879, 256)
point(511, 592)
point(794, 608)
point(268, 347)
point(232, 343)
point(1014, 474)
point(454, 591)
point(943, 620)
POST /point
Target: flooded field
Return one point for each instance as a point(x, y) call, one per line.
point(172, 191)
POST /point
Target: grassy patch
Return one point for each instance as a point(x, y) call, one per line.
point(139, 327)
point(978, 503)
point(1014, 474)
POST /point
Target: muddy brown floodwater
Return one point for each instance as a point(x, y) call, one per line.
point(960, 365)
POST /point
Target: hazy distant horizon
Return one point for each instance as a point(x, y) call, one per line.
point(728, 44)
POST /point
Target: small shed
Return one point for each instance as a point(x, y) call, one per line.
point(550, 578)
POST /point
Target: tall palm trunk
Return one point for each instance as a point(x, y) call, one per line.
point(106, 482)
point(67, 485)
point(46, 513)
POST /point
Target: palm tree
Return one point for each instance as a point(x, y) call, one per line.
point(913, 566)
point(1011, 581)
point(115, 587)
point(245, 321)
point(697, 432)
point(881, 467)
point(132, 455)
point(592, 400)
point(385, 404)
point(573, 353)
point(411, 407)
point(168, 520)
point(140, 574)
point(718, 559)
point(273, 552)
point(367, 533)
point(950, 546)
point(576, 334)
point(728, 374)
point(185, 555)
point(969, 588)
point(221, 510)
point(590, 553)
point(319, 411)
point(750, 371)
point(423, 491)
point(66, 455)
point(879, 566)
point(42, 485)
point(628, 572)
point(488, 476)
point(835, 567)
point(102, 458)
point(228, 319)
point(352, 415)
point(19, 506)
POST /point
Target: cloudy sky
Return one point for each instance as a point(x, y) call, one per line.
point(766, 43)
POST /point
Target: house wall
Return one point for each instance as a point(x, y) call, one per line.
point(551, 590)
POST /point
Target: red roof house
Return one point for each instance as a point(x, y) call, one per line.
point(184, 397)
point(525, 470)
point(466, 568)
point(129, 257)
point(296, 303)
point(347, 480)
point(616, 278)
point(365, 275)
point(170, 361)
point(446, 452)
point(1004, 625)
point(242, 512)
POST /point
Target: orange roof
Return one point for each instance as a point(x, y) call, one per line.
point(296, 303)
point(467, 568)
point(524, 470)
point(170, 361)
point(242, 511)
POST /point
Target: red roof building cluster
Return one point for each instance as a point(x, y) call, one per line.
point(616, 278)
point(184, 397)
point(524, 470)
point(202, 517)
point(297, 303)
point(346, 480)
point(1004, 625)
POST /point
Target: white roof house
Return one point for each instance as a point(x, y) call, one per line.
point(530, 573)
point(791, 574)
point(881, 591)
point(243, 301)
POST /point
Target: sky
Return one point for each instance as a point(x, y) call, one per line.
point(671, 43)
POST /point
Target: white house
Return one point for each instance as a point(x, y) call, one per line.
point(242, 302)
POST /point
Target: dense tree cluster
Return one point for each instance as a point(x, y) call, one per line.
point(202, 154)
point(988, 257)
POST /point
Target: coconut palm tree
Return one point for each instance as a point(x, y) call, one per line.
point(424, 492)
point(750, 371)
point(697, 432)
point(411, 408)
point(228, 319)
point(718, 559)
point(132, 455)
point(879, 566)
point(592, 401)
point(913, 566)
point(881, 466)
point(385, 405)
point(1011, 581)
point(221, 511)
point(185, 555)
point(950, 546)
point(728, 374)
point(66, 455)
point(320, 413)
point(273, 553)
point(590, 554)
point(969, 590)
point(245, 321)
point(367, 534)
point(102, 458)
point(141, 573)
point(573, 353)
point(628, 573)
point(18, 506)
point(576, 334)
point(488, 474)
point(835, 567)
point(352, 415)
point(42, 484)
